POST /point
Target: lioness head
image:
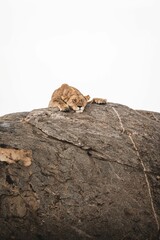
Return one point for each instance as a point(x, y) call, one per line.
point(78, 102)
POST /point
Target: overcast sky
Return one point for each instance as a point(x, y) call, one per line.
point(105, 48)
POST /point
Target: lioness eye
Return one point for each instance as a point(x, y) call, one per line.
point(74, 100)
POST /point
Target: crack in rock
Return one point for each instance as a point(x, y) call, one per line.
point(143, 166)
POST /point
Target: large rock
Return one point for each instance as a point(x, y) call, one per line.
point(94, 175)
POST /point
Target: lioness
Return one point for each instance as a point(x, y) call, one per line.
point(67, 97)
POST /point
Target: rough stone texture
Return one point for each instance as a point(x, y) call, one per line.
point(94, 175)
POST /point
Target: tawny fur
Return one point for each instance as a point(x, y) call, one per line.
point(67, 97)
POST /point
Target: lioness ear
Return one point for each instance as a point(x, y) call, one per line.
point(87, 97)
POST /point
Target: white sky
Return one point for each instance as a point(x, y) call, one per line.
point(105, 48)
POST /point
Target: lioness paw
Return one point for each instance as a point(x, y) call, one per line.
point(99, 101)
point(64, 108)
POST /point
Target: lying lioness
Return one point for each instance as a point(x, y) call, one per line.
point(67, 97)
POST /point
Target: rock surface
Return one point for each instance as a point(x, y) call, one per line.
point(94, 175)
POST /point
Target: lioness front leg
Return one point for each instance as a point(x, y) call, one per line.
point(99, 101)
point(60, 104)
